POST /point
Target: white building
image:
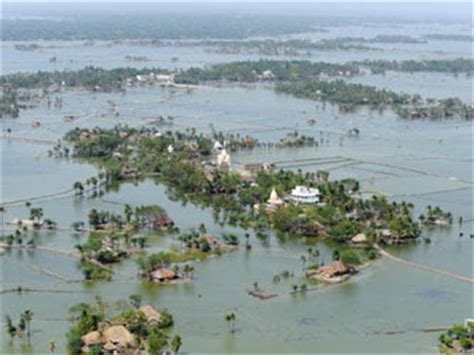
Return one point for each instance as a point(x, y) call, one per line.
point(303, 194)
point(217, 146)
point(274, 200)
point(223, 159)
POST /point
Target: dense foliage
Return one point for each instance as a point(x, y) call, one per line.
point(190, 175)
point(148, 25)
point(459, 65)
point(98, 317)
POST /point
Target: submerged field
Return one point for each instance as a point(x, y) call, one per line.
point(384, 308)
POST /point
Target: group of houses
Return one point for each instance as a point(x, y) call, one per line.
point(152, 79)
point(116, 338)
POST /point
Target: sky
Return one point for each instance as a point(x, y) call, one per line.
point(436, 9)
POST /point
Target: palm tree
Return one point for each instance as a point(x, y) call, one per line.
point(230, 319)
point(2, 211)
point(317, 254)
point(304, 261)
point(78, 188)
point(52, 346)
point(36, 214)
point(27, 316)
point(11, 329)
point(128, 211)
point(176, 343)
point(135, 300)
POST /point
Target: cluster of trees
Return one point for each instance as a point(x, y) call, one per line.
point(458, 337)
point(157, 26)
point(291, 47)
point(435, 215)
point(455, 66)
point(251, 71)
point(438, 109)
point(88, 318)
point(233, 198)
point(296, 140)
point(298, 78)
point(138, 217)
point(23, 329)
point(148, 264)
point(347, 95)
point(450, 37)
point(9, 106)
point(90, 78)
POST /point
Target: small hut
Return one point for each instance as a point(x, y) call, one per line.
point(164, 275)
point(334, 269)
point(163, 221)
point(90, 339)
point(152, 315)
point(360, 238)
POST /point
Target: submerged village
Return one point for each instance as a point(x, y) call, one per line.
point(240, 205)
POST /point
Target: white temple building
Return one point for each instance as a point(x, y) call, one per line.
point(274, 199)
point(223, 159)
point(303, 194)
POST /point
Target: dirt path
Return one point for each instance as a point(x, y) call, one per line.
point(423, 267)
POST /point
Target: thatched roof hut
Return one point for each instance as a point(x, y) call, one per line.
point(113, 338)
point(359, 238)
point(152, 315)
point(334, 269)
point(119, 336)
point(163, 275)
point(91, 339)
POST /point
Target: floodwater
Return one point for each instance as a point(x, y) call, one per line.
point(428, 163)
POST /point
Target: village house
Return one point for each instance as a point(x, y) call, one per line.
point(152, 315)
point(113, 340)
point(359, 239)
point(164, 275)
point(334, 272)
point(266, 75)
point(163, 221)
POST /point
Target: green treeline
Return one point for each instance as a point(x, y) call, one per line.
point(91, 78)
point(455, 66)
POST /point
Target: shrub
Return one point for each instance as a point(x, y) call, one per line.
point(349, 257)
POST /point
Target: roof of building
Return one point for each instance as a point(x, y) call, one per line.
point(359, 238)
point(118, 335)
point(92, 338)
point(304, 191)
point(163, 274)
point(274, 198)
point(151, 314)
point(333, 269)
